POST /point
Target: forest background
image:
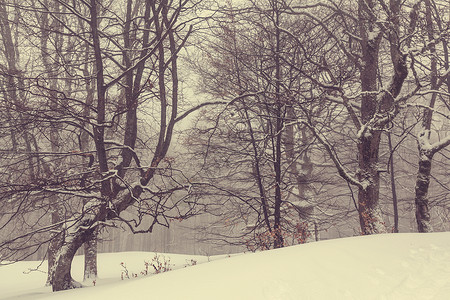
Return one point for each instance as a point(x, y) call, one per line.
point(217, 126)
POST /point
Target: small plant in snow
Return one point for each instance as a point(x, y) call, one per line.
point(124, 273)
point(161, 265)
point(145, 272)
point(191, 262)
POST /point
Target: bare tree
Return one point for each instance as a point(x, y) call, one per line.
point(371, 91)
point(436, 36)
point(127, 169)
point(260, 172)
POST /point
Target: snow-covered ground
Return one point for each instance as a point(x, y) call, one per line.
point(393, 266)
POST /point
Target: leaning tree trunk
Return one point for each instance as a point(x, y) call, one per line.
point(61, 270)
point(426, 152)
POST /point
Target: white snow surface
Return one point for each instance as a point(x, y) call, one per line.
point(388, 266)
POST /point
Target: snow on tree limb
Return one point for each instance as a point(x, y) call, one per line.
point(425, 145)
point(437, 146)
point(341, 169)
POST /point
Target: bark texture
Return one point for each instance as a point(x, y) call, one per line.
point(377, 107)
point(421, 200)
point(369, 141)
point(90, 258)
point(62, 277)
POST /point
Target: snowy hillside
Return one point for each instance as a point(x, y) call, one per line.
point(400, 266)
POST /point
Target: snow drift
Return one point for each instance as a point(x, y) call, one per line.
point(391, 266)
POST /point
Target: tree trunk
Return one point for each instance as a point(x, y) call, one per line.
point(61, 271)
point(257, 171)
point(90, 247)
point(50, 67)
point(393, 187)
point(426, 156)
point(368, 205)
point(90, 258)
point(278, 230)
point(369, 143)
point(55, 242)
point(421, 199)
point(370, 215)
point(301, 179)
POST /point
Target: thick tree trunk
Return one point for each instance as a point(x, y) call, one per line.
point(370, 216)
point(421, 198)
point(61, 271)
point(369, 142)
point(374, 105)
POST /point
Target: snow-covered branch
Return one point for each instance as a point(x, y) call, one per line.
point(424, 142)
point(437, 146)
point(333, 155)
